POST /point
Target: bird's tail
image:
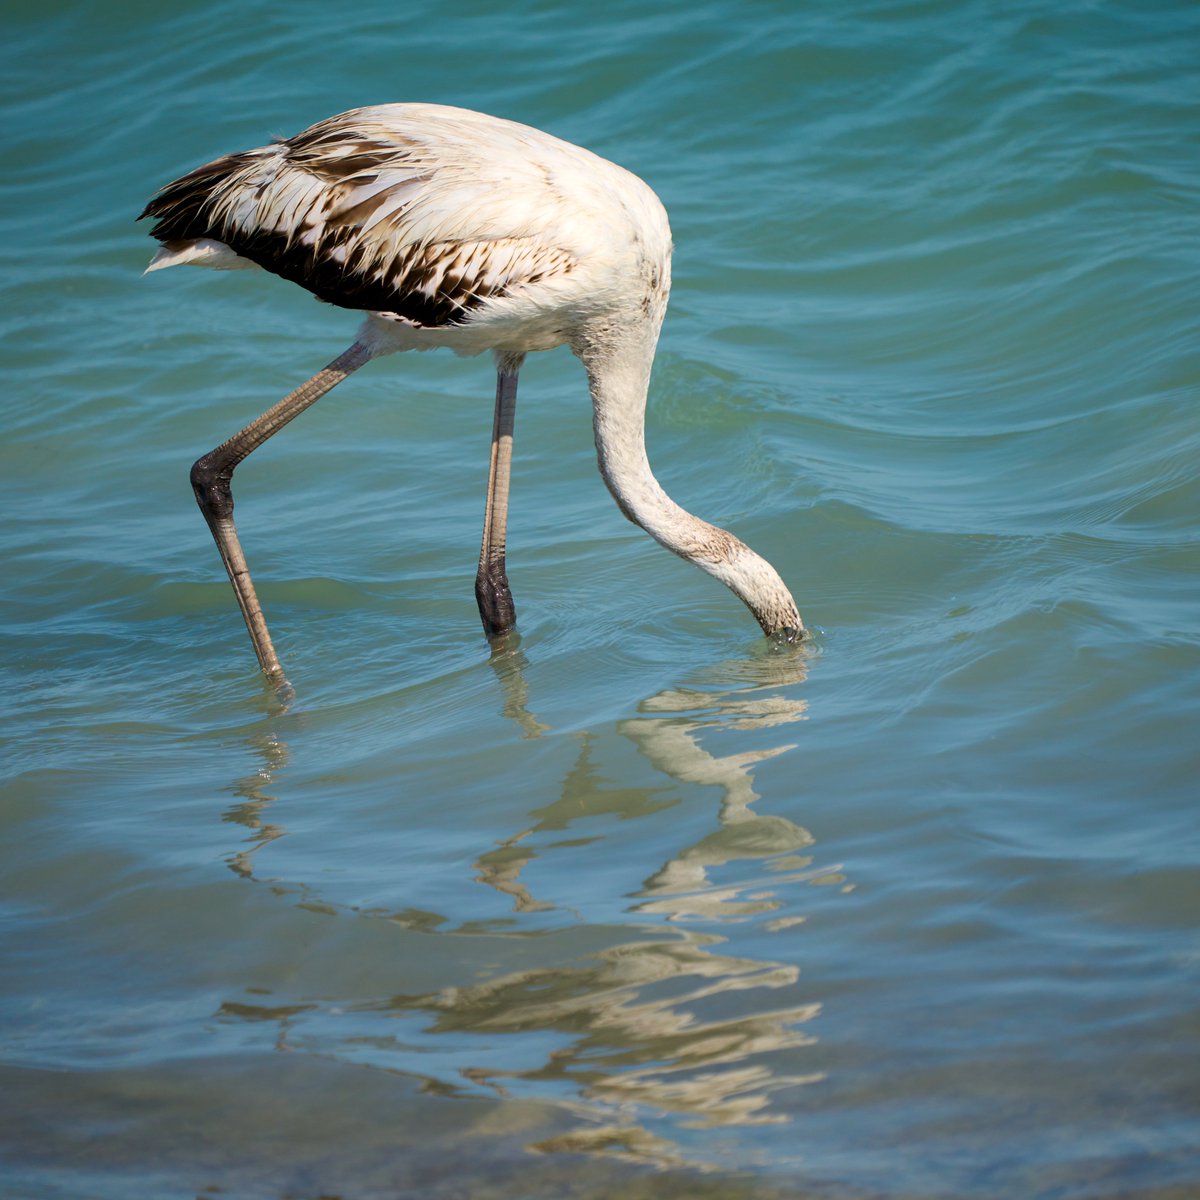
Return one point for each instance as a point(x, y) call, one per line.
point(191, 214)
point(202, 252)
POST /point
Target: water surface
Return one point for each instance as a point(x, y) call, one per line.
point(636, 906)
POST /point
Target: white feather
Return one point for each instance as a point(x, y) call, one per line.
point(204, 252)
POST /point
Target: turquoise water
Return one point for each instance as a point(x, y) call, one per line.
point(635, 907)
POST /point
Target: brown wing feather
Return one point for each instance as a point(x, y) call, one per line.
point(349, 214)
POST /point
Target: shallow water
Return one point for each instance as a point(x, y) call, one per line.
point(636, 905)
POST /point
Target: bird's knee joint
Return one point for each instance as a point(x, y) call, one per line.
point(212, 485)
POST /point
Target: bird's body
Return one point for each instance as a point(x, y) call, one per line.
point(452, 228)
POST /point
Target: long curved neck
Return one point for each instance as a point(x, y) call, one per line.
point(618, 369)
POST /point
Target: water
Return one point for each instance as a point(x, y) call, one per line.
point(638, 907)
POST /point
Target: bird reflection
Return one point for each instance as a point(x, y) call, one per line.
point(250, 810)
point(647, 1029)
point(667, 731)
point(665, 1023)
point(509, 662)
point(668, 735)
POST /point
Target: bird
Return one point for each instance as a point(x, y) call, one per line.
point(451, 228)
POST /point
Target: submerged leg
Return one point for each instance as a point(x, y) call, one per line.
point(491, 583)
point(212, 478)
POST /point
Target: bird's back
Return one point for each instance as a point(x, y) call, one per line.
point(427, 214)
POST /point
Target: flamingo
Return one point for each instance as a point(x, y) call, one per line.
point(452, 228)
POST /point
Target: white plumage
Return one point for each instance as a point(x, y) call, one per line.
point(451, 228)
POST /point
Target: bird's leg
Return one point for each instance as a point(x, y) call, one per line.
point(212, 477)
point(491, 583)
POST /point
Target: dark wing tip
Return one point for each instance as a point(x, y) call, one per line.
point(182, 206)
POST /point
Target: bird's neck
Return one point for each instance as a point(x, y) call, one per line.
point(618, 367)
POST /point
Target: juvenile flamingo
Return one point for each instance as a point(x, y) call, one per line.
point(451, 228)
